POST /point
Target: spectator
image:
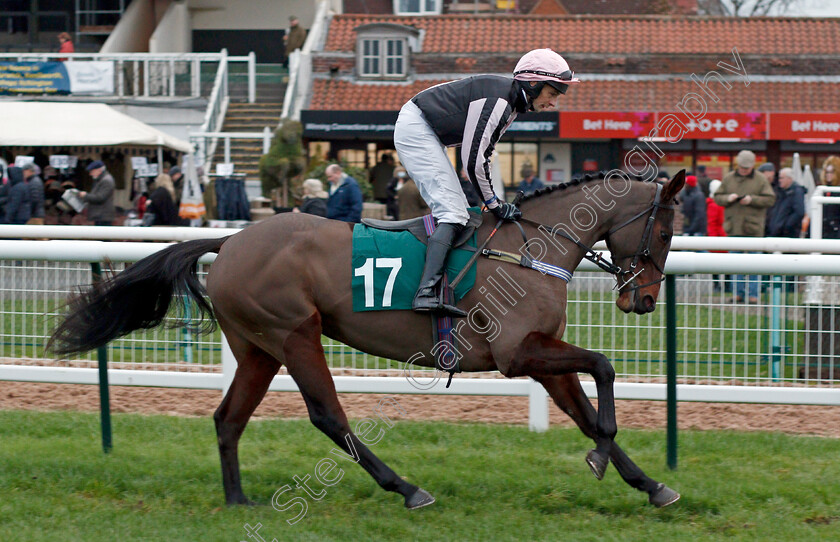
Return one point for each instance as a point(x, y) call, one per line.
point(703, 180)
point(100, 199)
point(411, 202)
point(345, 199)
point(18, 208)
point(714, 227)
point(65, 45)
point(785, 217)
point(530, 182)
point(393, 189)
point(830, 176)
point(161, 204)
point(177, 184)
point(745, 196)
point(469, 190)
point(294, 38)
point(139, 195)
point(32, 176)
point(769, 172)
point(314, 198)
point(381, 176)
point(694, 208)
point(208, 189)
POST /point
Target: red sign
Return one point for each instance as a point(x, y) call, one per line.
point(804, 126)
point(604, 124)
point(713, 126)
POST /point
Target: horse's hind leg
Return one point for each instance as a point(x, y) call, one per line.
point(254, 373)
point(304, 357)
point(568, 394)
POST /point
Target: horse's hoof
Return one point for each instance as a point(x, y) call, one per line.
point(597, 463)
point(419, 499)
point(663, 495)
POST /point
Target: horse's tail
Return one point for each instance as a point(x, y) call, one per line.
point(137, 298)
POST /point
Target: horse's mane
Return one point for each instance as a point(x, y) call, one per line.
point(577, 180)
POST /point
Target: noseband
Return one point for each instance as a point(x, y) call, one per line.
point(643, 251)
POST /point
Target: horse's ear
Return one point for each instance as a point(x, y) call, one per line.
point(673, 187)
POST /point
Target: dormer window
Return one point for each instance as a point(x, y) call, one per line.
point(417, 7)
point(382, 50)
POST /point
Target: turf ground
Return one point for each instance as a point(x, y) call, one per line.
point(492, 482)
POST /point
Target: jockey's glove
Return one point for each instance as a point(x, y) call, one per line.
point(507, 211)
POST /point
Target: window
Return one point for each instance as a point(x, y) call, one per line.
point(383, 49)
point(370, 57)
point(417, 7)
point(383, 57)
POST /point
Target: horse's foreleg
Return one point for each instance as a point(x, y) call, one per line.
point(308, 367)
point(542, 355)
point(568, 394)
point(253, 376)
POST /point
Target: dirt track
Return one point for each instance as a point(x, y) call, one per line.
point(813, 420)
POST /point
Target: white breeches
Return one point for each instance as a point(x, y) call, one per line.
point(424, 158)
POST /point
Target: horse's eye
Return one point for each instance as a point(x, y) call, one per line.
point(665, 236)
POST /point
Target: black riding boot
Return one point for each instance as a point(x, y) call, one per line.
point(429, 295)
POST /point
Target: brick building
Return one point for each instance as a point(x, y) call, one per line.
point(767, 84)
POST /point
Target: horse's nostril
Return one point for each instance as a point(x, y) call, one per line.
point(649, 303)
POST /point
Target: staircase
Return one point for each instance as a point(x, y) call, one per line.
point(242, 116)
point(248, 117)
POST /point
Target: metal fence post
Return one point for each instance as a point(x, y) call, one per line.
point(776, 328)
point(671, 364)
point(104, 394)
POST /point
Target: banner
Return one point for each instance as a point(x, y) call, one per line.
point(804, 126)
point(715, 125)
point(33, 78)
point(90, 77)
point(605, 124)
point(56, 78)
point(543, 124)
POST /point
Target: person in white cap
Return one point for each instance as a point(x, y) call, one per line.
point(472, 113)
point(745, 195)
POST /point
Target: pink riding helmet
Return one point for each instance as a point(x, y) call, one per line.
point(547, 66)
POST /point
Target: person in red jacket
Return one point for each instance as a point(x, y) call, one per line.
point(714, 226)
point(66, 45)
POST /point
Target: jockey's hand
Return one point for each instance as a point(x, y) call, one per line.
point(507, 211)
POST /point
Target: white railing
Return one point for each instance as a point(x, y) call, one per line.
point(818, 199)
point(151, 74)
point(200, 139)
point(215, 116)
point(300, 64)
point(765, 389)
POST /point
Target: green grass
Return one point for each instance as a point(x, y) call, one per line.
point(492, 482)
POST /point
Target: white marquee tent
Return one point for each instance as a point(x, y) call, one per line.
point(57, 124)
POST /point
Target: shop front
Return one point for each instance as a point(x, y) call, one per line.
point(560, 145)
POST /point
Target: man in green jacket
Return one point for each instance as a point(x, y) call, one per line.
point(745, 196)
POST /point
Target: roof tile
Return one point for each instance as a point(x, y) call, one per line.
point(606, 34)
point(659, 95)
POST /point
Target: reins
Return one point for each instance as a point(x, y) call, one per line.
point(589, 253)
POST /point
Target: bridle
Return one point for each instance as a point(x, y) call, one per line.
point(643, 250)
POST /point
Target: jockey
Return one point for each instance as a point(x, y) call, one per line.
point(472, 113)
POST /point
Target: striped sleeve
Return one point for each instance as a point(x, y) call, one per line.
point(487, 120)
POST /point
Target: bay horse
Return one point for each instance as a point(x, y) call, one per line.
point(277, 286)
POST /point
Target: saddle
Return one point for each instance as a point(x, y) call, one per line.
point(417, 228)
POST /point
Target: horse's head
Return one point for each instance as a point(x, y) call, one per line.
point(639, 244)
